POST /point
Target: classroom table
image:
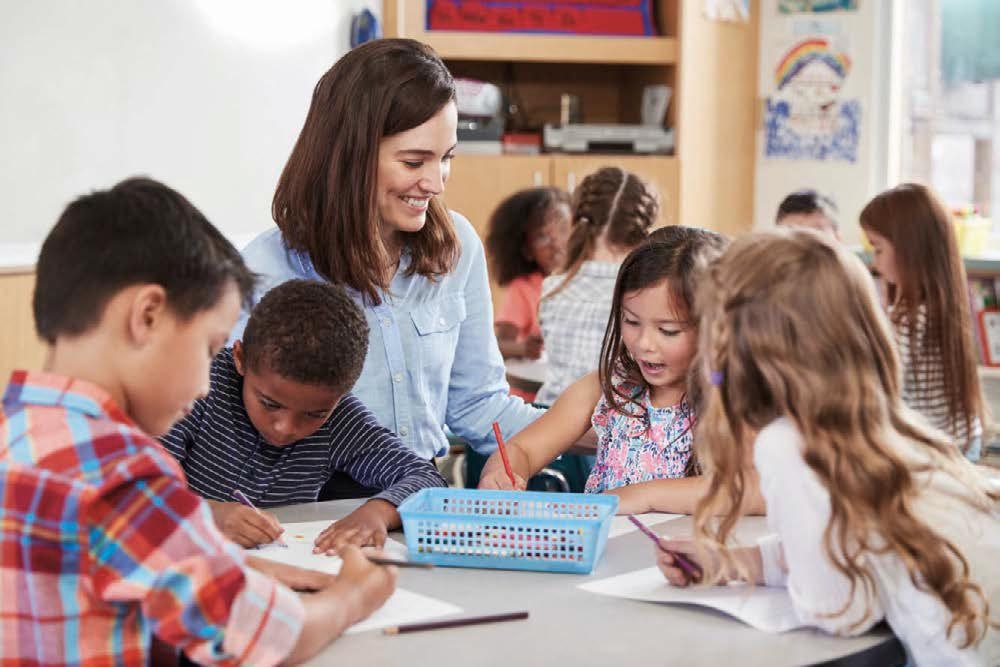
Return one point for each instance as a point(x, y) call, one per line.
point(570, 627)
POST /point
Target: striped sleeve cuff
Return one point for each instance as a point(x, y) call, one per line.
point(404, 488)
point(265, 621)
point(770, 556)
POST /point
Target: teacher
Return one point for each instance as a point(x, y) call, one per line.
point(359, 204)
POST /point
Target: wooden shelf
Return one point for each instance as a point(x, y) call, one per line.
point(409, 18)
point(553, 48)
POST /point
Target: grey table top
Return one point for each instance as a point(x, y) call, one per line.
point(572, 627)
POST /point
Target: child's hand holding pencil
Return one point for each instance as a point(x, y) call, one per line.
point(498, 473)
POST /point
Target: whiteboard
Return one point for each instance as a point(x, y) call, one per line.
point(207, 96)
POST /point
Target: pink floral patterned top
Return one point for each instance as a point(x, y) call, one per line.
point(655, 444)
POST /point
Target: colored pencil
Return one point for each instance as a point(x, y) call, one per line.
point(693, 570)
point(378, 560)
point(242, 499)
point(456, 622)
point(503, 454)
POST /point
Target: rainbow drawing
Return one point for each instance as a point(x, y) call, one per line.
point(805, 52)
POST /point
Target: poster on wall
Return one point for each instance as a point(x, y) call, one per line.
point(727, 10)
point(806, 116)
point(816, 6)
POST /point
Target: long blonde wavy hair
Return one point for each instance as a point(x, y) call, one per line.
point(790, 326)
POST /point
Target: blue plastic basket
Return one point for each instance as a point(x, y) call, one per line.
point(507, 530)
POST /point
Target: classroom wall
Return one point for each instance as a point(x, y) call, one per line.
point(205, 95)
point(867, 32)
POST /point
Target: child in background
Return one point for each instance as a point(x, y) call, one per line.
point(810, 210)
point(613, 211)
point(916, 254)
point(526, 242)
point(874, 514)
point(102, 545)
point(638, 400)
point(280, 420)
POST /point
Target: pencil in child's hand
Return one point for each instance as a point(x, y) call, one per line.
point(242, 499)
point(503, 454)
point(456, 622)
point(693, 570)
point(379, 560)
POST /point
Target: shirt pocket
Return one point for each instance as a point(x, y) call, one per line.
point(438, 324)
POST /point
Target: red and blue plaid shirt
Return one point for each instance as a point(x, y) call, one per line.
point(102, 545)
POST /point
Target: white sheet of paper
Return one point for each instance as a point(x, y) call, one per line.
point(765, 608)
point(620, 525)
point(402, 607)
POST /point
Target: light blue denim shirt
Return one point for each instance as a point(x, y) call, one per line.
point(433, 358)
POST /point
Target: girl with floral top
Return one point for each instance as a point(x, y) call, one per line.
point(638, 400)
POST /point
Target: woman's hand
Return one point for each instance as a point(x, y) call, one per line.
point(366, 526)
point(244, 525)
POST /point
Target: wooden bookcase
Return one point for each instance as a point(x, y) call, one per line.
point(19, 347)
point(710, 66)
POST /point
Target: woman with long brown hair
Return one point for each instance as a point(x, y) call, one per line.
point(916, 253)
point(874, 514)
point(359, 203)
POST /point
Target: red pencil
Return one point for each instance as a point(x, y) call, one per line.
point(503, 454)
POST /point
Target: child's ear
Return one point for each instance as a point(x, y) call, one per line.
point(238, 357)
point(148, 312)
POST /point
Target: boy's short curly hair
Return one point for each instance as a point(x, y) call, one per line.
point(308, 331)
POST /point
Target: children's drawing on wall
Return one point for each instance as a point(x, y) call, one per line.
point(728, 10)
point(816, 6)
point(806, 117)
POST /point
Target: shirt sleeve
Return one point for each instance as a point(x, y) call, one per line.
point(153, 543)
point(516, 308)
point(798, 511)
point(179, 439)
point(374, 456)
point(478, 393)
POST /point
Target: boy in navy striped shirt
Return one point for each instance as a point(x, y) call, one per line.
point(280, 420)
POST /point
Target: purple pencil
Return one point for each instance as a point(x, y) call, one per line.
point(693, 570)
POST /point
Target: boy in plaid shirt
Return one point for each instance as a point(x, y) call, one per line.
point(102, 545)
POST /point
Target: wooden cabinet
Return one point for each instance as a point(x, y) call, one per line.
point(19, 347)
point(478, 183)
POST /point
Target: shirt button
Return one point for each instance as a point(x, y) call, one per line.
point(441, 321)
point(403, 431)
point(397, 378)
point(386, 321)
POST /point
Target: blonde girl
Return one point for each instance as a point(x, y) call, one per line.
point(874, 514)
point(916, 253)
point(613, 211)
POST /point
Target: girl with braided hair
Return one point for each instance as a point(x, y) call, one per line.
point(638, 400)
point(613, 211)
point(874, 514)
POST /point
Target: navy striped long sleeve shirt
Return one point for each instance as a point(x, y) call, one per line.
point(221, 451)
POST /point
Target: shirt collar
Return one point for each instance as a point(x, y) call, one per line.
point(50, 389)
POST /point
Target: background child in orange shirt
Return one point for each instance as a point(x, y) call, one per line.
point(526, 242)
